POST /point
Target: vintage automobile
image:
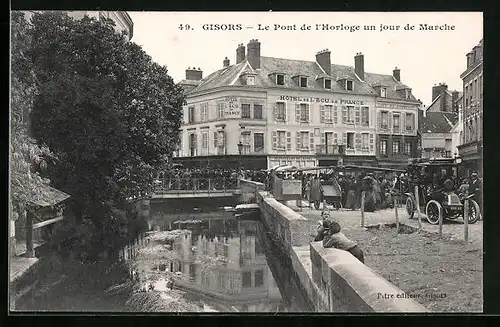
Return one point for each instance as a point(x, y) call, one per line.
point(435, 199)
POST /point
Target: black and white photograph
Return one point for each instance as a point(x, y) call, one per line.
point(245, 162)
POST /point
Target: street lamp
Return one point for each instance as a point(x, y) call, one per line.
point(240, 148)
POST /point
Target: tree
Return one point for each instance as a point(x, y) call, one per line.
point(26, 184)
point(109, 113)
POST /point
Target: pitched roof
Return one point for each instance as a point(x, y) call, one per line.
point(290, 67)
point(51, 196)
point(437, 122)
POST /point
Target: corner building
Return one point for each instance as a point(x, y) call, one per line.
point(283, 111)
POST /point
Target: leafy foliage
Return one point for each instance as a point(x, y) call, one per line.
point(26, 183)
point(109, 113)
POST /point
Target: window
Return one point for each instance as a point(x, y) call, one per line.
point(250, 80)
point(328, 84)
point(350, 140)
point(409, 122)
point(408, 147)
point(192, 144)
point(246, 277)
point(350, 114)
point(304, 140)
point(349, 85)
point(204, 112)
point(328, 114)
point(259, 278)
point(220, 110)
point(280, 111)
point(365, 139)
point(245, 110)
point(245, 139)
point(303, 82)
point(383, 92)
point(383, 147)
point(258, 142)
point(365, 116)
point(304, 112)
point(407, 94)
point(257, 111)
point(220, 280)
point(204, 140)
point(395, 147)
point(280, 79)
point(281, 139)
point(395, 122)
point(448, 154)
point(191, 114)
point(384, 123)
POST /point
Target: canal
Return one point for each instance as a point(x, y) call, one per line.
point(218, 263)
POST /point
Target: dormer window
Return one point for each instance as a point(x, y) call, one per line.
point(407, 94)
point(303, 81)
point(250, 80)
point(328, 84)
point(280, 79)
point(383, 92)
point(349, 85)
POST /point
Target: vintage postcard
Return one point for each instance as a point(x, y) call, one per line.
point(246, 162)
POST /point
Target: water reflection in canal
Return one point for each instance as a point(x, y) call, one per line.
point(246, 274)
point(243, 281)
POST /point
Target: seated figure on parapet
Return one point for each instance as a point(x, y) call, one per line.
point(329, 232)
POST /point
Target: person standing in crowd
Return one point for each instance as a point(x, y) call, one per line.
point(369, 194)
point(316, 192)
point(475, 188)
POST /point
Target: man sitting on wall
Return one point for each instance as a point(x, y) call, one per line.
point(329, 233)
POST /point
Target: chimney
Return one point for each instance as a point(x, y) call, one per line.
point(359, 65)
point(253, 53)
point(194, 74)
point(454, 104)
point(225, 63)
point(323, 59)
point(438, 89)
point(397, 74)
point(240, 53)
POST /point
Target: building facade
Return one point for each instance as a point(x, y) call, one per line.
point(471, 151)
point(285, 111)
point(438, 123)
point(397, 120)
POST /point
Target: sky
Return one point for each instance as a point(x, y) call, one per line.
point(425, 57)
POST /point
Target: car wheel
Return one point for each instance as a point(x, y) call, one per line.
point(410, 207)
point(474, 211)
point(433, 211)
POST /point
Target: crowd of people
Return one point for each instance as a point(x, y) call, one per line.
point(379, 187)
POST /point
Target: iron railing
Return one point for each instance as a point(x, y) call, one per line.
point(196, 185)
point(332, 149)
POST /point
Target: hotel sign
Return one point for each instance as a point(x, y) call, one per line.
point(231, 107)
point(395, 106)
point(320, 100)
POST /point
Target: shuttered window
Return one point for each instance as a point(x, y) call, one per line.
point(327, 114)
point(281, 139)
point(344, 114)
point(384, 120)
point(350, 140)
point(396, 123)
point(302, 112)
point(409, 122)
point(215, 139)
point(245, 110)
point(204, 111)
point(257, 111)
point(335, 118)
point(279, 111)
point(350, 114)
point(365, 141)
point(220, 110)
point(365, 116)
point(289, 141)
point(357, 141)
point(372, 142)
point(357, 115)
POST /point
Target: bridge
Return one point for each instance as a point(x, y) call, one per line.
point(179, 188)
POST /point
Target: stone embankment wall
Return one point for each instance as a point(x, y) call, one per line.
point(332, 279)
point(249, 190)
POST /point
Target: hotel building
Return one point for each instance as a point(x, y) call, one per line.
point(294, 112)
point(471, 151)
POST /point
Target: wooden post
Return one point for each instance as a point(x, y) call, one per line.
point(396, 213)
point(440, 218)
point(363, 194)
point(466, 221)
point(30, 253)
point(417, 204)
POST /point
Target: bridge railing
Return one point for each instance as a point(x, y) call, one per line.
point(196, 184)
